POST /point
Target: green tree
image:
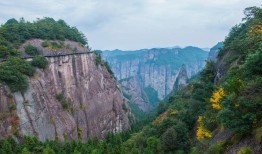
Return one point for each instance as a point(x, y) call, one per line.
point(48, 150)
point(40, 62)
point(25, 151)
point(253, 64)
point(31, 50)
point(169, 140)
point(153, 145)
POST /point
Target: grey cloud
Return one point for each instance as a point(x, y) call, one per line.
point(134, 24)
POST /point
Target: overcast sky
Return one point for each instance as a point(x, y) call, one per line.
point(136, 24)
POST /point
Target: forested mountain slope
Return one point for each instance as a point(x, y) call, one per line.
point(221, 111)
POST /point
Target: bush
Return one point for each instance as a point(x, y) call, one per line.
point(13, 72)
point(31, 50)
point(109, 69)
point(216, 148)
point(162, 107)
point(45, 44)
point(6, 51)
point(60, 97)
point(258, 134)
point(240, 113)
point(16, 81)
point(100, 61)
point(20, 65)
point(169, 140)
point(253, 64)
point(98, 58)
point(39, 61)
point(55, 45)
point(245, 150)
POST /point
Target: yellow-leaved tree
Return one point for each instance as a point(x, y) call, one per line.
point(202, 132)
point(216, 98)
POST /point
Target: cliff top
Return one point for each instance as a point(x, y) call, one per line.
point(15, 33)
point(51, 47)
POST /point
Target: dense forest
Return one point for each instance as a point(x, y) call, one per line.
point(191, 118)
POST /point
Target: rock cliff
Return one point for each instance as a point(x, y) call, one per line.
point(212, 56)
point(182, 79)
point(71, 99)
point(156, 69)
point(133, 92)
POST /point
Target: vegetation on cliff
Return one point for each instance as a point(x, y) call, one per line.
point(14, 33)
point(14, 70)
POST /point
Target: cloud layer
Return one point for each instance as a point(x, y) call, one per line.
point(135, 24)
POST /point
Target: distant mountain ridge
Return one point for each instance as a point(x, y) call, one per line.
point(155, 69)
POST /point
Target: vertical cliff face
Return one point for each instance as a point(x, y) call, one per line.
point(212, 56)
point(133, 92)
point(157, 68)
point(72, 99)
point(182, 79)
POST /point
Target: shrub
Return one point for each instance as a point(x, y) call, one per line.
point(253, 64)
point(13, 72)
point(216, 148)
point(194, 150)
point(202, 132)
point(55, 45)
point(216, 98)
point(25, 151)
point(98, 58)
point(100, 61)
point(162, 107)
point(168, 140)
point(109, 69)
point(45, 44)
point(20, 65)
point(31, 50)
point(6, 51)
point(60, 97)
point(240, 115)
point(124, 107)
point(245, 150)
point(39, 61)
point(258, 134)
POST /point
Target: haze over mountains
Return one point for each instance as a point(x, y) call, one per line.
point(148, 75)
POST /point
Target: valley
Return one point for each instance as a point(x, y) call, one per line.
point(57, 95)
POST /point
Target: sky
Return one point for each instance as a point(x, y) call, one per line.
point(138, 24)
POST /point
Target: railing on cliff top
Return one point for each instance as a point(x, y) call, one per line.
point(51, 54)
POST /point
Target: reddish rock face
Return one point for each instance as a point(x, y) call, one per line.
point(71, 99)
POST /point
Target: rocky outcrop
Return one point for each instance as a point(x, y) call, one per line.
point(157, 68)
point(71, 99)
point(212, 56)
point(133, 92)
point(245, 142)
point(182, 79)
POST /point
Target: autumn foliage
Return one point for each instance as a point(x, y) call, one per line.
point(202, 132)
point(216, 98)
